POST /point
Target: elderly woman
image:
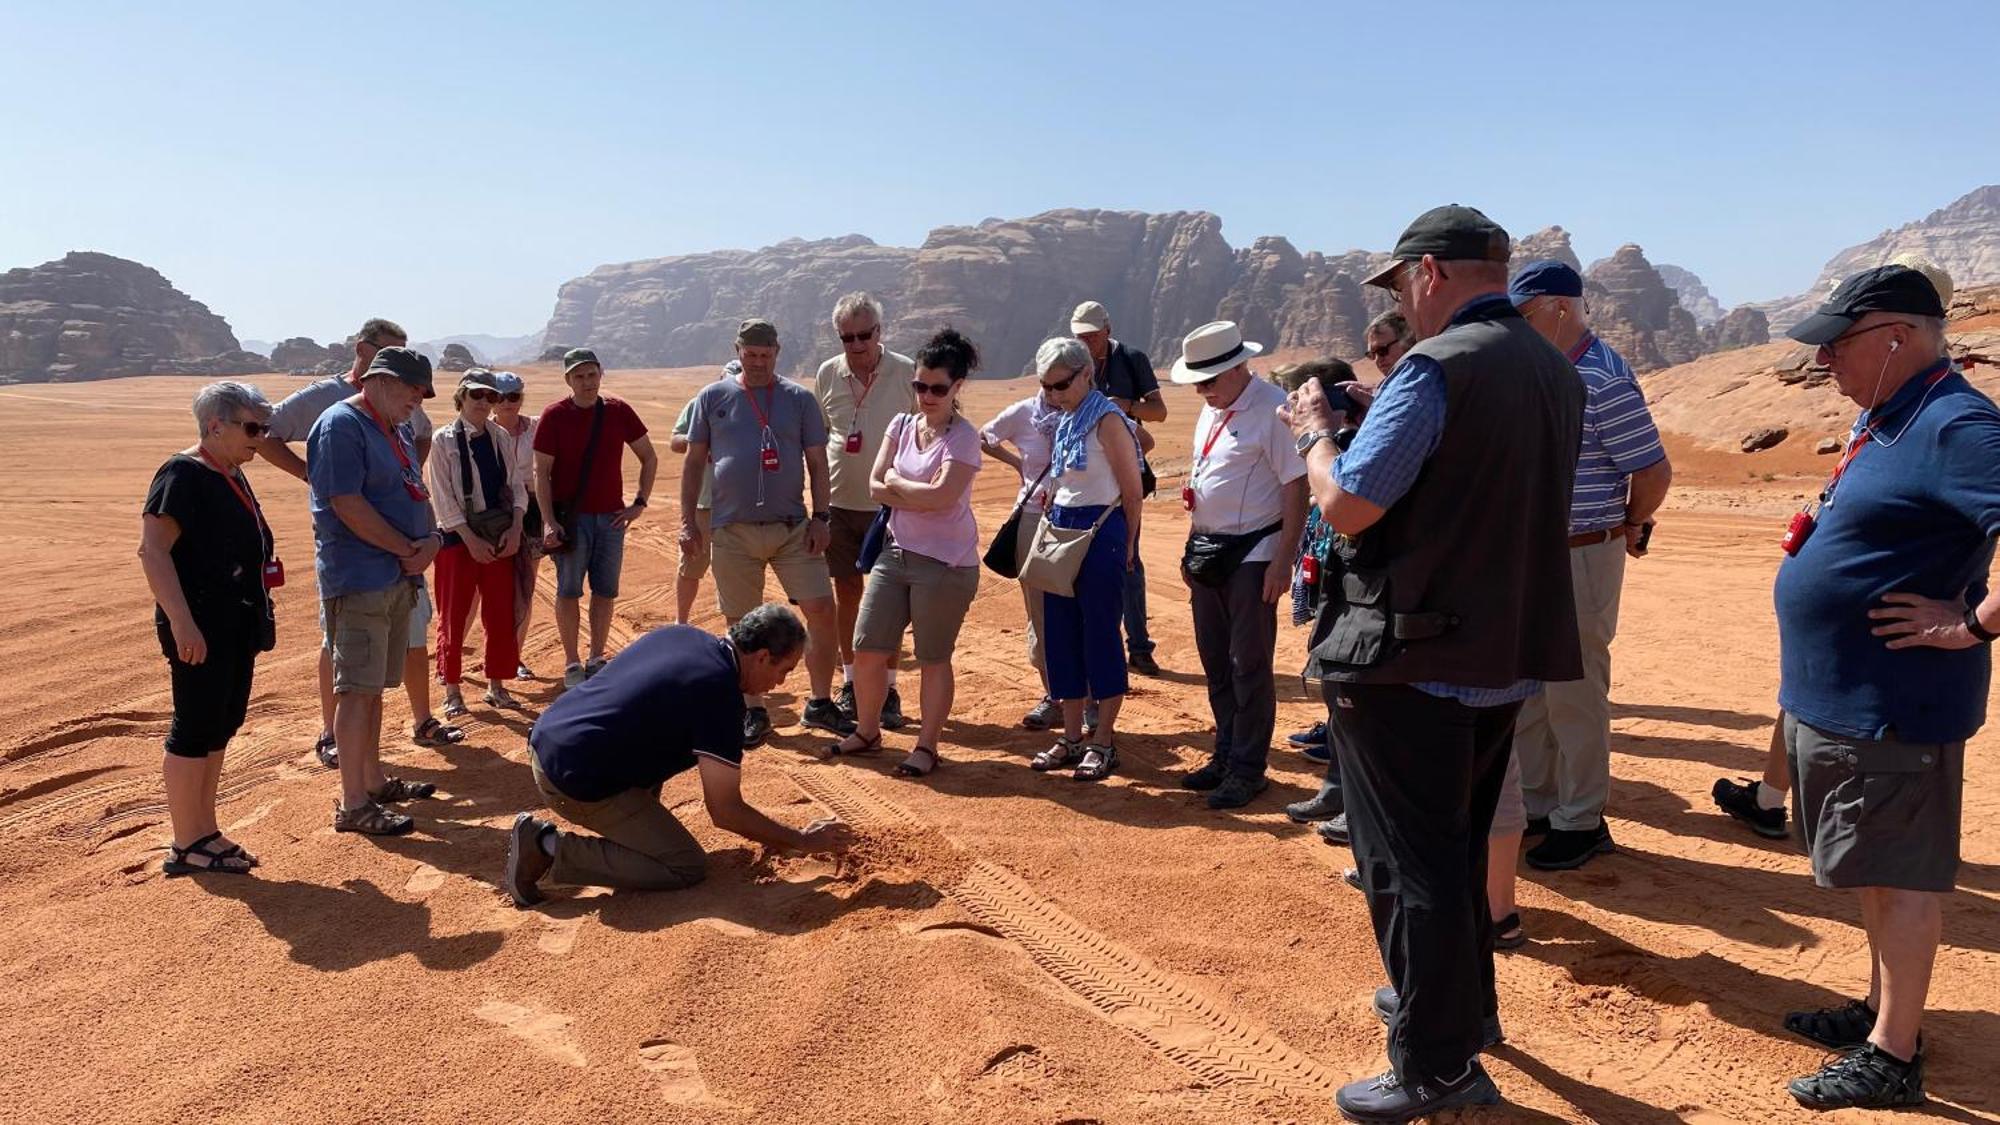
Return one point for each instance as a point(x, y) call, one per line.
point(480, 501)
point(928, 573)
point(207, 555)
point(518, 429)
point(1028, 425)
point(1093, 473)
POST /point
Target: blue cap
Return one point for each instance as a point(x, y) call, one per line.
point(508, 383)
point(1546, 278)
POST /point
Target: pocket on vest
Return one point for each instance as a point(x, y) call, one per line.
point(1360, 634)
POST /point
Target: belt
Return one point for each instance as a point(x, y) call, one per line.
point(1592, 538)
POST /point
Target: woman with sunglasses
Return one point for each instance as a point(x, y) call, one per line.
point(207, 555)
point(928, 571)
point(1093, 472)
point(518, 430)
point(480, 500)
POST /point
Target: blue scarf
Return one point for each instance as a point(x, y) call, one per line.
point(1072, 442)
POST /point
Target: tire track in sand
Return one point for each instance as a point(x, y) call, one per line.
point(1229, 1054)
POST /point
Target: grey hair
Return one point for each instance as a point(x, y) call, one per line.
point(1061, 351)
point(1934, 331)
point(220, 402)
point(854, 304)
point(771, 627)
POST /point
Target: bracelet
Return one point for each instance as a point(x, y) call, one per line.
point(1979, 632)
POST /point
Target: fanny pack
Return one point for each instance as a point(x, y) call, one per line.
point(1211, 557)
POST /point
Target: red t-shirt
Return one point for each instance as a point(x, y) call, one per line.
point(564, 431)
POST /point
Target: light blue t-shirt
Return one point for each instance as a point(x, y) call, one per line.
point(727, 419)
point(347, 454)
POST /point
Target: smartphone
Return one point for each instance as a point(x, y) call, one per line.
point(1340, 402)
point(1645, 537)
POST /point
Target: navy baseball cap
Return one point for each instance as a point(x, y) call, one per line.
point(1545, 278)
point(404, 364)
point(1896, 289)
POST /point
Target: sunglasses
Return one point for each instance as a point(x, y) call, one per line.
point(480, 394)
point(1383, 351)
point(859, 337)
point(930, 390)
point(253, 429)
point(1061, 385)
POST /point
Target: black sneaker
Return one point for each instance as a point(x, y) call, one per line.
point(1335, 831)
point(1322, 754)
point(1237, 791)
point(845, 701)
point(1144, 664)
point(892, 711)
point(1046, 715)
point(526, 862)
point(1566, 848)
point(1205, 778)
point(1325, 805)
point(1538, 826)
point(1866, 1077)
point(756, 726)
point(825, 715)
point(1740, 801)
point(1386, 1001)
point(1839, 1029)
point(1386, 1097)
point(1314, 735)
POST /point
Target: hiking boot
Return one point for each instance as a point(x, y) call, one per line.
point(526, 862)
point(1144, 664)
point(1047, 714)
point(370, 819)
point(573, 676)
point(1386, 1003)
point(1238, 791)
point(756, 726)
point(1206, 778)
point(825, 715)
point(1538, 826)
point(1325, 805)
point(1866, 1077)
point(892, 711)
point(1840, 1029)
point(845, 701)
point(1566, 848)
point(1335, 831)
point(1314, 735)
point(1386, 1097)
point(1740, 801)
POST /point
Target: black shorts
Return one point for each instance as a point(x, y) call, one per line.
point(210, 698)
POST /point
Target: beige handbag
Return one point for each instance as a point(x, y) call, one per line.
point(1057, 555)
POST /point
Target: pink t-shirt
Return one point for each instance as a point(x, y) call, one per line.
point(949, 535)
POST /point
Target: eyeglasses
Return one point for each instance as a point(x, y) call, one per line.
point(1832, 347)
point(480, 394)
point(1383, 351)
point(253, 429)
point(1403, 279)
point(930, 390)
point(859, 337)
point(1061, 385)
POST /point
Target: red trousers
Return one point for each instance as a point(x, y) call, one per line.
point(458, 578)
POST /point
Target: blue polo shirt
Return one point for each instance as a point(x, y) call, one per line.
point(1916, 511)
point(347, 454)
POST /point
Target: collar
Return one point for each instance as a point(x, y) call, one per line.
point(1481, 308)
point(1908, 394)
point(1582, 346)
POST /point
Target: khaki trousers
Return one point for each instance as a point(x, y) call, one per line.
point(640, 844)
point(1563, 737)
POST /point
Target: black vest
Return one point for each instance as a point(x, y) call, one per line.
point(1465, 580)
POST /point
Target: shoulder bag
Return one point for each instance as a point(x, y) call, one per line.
point(1057, 555)
point(1003, 556)
point(490, 524)
point(566, 509)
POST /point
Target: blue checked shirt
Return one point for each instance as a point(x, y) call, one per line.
point(1401, 432)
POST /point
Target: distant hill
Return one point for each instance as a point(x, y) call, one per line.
point(1963, 237)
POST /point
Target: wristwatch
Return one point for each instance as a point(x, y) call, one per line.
point(823, 517)
point(1979, 632)
point(638, 501)
point(1307, 441)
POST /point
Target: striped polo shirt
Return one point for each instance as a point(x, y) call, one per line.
point(1619, 437)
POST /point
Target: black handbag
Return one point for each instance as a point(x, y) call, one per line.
point(1003, 555)
point(1211, 557)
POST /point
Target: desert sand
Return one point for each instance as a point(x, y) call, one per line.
point(1004, 947)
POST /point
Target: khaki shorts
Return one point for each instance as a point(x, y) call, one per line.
point(906, 588)
point(1877, 813)
point(743, 550)
point(367, 633)
point(843, 551)
point(694, 565)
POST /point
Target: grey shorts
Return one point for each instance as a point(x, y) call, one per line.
point(1877, 813)
point(366, 633)
point(906, 588)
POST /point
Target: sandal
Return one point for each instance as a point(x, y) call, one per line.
point(868, 746)
point(1508, 934)
point(370, 819)
point(500, 699)
point(327, 752)
point(1099, 767)
point(1061, 756)
point(228, 861)
point(908, 767)
point(235, 850)
point(398, 789)
point(1840, 1029)
point(430, 732)
point(454, 706)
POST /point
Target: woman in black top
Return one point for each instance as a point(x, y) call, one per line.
point(207, 554)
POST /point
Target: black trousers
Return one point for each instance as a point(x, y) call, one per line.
point(1421, 775)
point(1235, 631)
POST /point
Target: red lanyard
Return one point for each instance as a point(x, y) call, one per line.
point(859, 399)
point(242, 494)
point(1581, 347)
point(1214, 432)
point(401, 457)
point(770, 400)
point(1866, 435)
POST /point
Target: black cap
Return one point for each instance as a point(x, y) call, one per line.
point(1897, 289)
point(412, 367)
point(1449, 233)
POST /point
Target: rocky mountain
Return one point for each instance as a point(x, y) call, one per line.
point(1632, 308)
point(92, 316)
point(487, 351)
point(1693, 295)
point(300, 356)
point(1963, 237)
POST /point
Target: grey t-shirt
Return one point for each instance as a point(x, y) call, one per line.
point(726, 417)
point(292, 419)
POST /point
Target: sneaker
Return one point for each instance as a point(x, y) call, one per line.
point(1538, 826)
point(370, 819)
point(825, 715)
point(1839, 1029)
point(1314, 735)
point(1321, 754)
point(845, 701)
point(526, 862)
point(1740, 801)
point(1144, 664)
point(1046, 715)
point(1866, 1077)
point(1237, 791)
point(756, 726)
point(1386, 1097)
point(1326, 805)
point(1386, 1003)
point(1566, 848)
point(1206, 778)
point(573, 676)
point(892, 711)
point(1335, 831)
point(593, 666)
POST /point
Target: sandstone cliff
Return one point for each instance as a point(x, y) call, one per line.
point(1636, 313)
point(1963, 237)
point(93, 316)
point(1692, 294)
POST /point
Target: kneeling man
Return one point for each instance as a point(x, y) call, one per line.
point(671, 702)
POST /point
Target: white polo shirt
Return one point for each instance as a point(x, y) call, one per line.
point(1239, 485)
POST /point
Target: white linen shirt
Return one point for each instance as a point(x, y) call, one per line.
point(1239, 486)
point(447, 497)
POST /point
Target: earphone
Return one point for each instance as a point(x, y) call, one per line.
point(1894, 344)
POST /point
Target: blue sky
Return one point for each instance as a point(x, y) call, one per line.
point(300, 167)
